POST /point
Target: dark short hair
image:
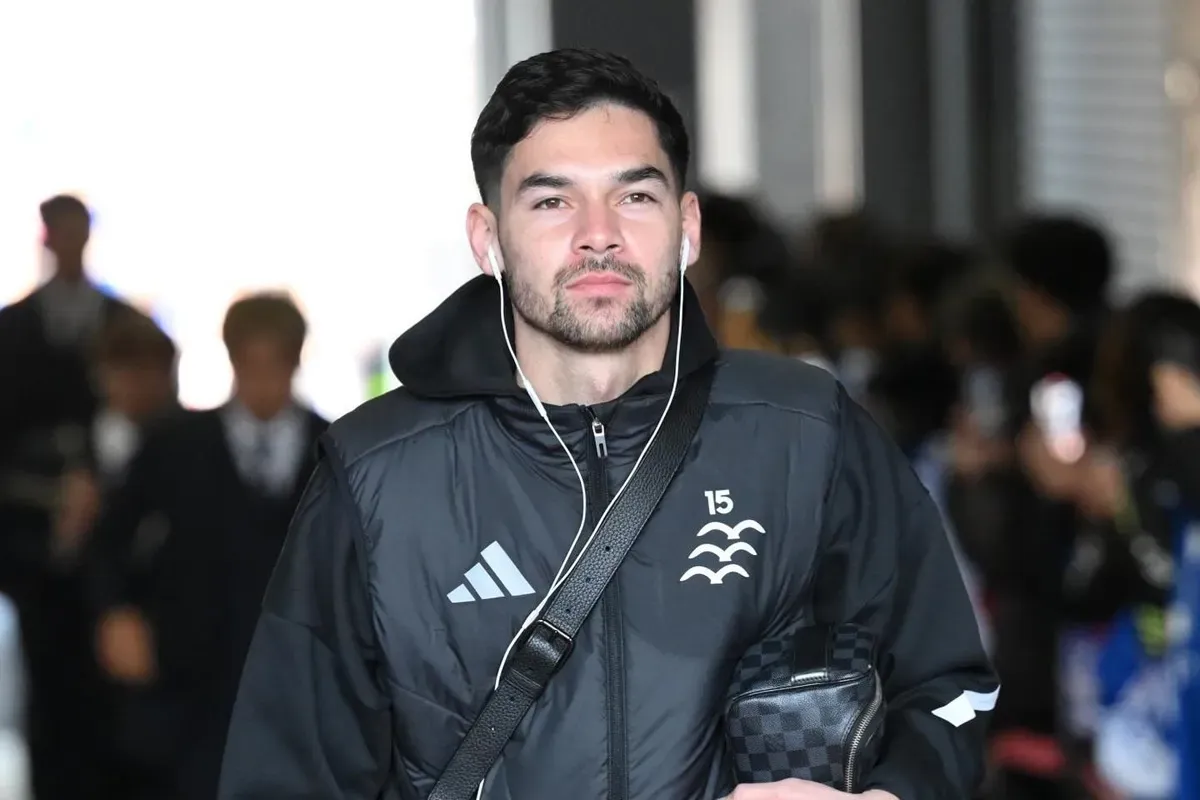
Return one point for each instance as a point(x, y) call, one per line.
point(265, 315)
point(60, 206)
point(1067, 258)
point(928, 271)
point(133, 339)
point(558, 85)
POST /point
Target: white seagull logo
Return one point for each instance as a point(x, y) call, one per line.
point(726, 555)
point(714, 577)
point(733, 533)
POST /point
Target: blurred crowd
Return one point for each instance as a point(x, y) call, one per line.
point(136, 537)
point(1059, 434)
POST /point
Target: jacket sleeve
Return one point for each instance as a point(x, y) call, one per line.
point(311, 718)
point(886, 564)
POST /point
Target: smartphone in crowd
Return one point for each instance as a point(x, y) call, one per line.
point(1056, 402)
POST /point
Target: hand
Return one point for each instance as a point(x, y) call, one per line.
point(1051, 477)
point(972, 454)
point(1102, 491)
point(125, 646)
point(795, 789)
point(1176, 396)
point(79, 503)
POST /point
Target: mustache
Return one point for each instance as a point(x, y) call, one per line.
point(608, 263)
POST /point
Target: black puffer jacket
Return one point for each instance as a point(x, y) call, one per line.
point(422, 545)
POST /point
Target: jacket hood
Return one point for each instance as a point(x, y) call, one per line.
point(458, 350)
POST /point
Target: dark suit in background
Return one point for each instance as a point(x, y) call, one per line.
point(190, 540)
point(47, 402)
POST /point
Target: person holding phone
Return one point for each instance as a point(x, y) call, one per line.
point(1148, 491)
point(1009, 496)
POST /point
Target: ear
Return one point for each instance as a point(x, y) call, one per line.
point(689, 209)
point(482, 233)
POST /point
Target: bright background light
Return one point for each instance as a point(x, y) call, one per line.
point(228, 146)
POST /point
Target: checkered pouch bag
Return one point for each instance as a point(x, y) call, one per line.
point(809, 706)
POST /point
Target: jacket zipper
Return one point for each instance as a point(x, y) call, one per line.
point(610, 611)
point(859, 735)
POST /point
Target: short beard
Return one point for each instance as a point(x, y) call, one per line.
point(561, 322)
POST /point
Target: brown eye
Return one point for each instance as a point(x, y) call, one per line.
point(550, 203)
point(639, 197)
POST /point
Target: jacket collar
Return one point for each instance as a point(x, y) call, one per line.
point(458, 352)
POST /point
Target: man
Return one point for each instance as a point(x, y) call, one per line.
point(1062, 268)
point(383, 628)
point(47, 404)
point(182, 554)
point(46, 410)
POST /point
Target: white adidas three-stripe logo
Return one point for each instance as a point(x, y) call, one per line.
point(485, 586)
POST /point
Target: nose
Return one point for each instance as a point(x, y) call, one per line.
point(599, 232)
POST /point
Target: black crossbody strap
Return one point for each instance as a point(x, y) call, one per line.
point(548, 641)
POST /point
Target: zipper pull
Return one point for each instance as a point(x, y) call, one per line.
point(598, 435)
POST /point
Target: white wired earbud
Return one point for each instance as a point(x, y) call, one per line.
point(495, 262)
point(529, 390)
point(565, 570)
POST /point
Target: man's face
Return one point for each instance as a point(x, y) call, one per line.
point(139, 391)
point(904, 320)
point(590, 225)
point(67, 235)
point(1041, 320)
point(263, 369)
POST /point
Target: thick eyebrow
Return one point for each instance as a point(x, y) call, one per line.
point(642, 174)
point(542, 180)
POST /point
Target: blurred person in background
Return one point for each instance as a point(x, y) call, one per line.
point(46, 411)
point(136, 375)
point(1144, 484)
point(914, 386)
point(742, 260)
point(925, 274)
point(855, 257)
point(1062, 269)
point(215, 489)
point(979, 328)
point(136, 372)
point(731, 222)
point(134, 368)
point(45, 337)
point(911, 395)
point(134, 363)
point(796, 315)
point(982, 342)
point(1010, 487)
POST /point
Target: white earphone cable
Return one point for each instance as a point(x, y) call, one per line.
point(564, 571)
point(582, 488)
